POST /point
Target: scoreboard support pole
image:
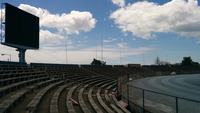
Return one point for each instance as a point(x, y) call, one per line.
point(21, 55)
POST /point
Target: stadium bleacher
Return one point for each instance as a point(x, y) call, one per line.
point(60, 88)
point(57, 88)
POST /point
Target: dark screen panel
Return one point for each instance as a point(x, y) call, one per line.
point(21, 28)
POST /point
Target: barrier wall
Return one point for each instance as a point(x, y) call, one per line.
point(147, 101)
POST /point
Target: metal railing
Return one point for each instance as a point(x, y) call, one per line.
point(148, 101)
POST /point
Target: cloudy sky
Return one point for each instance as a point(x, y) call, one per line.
point(131, 31)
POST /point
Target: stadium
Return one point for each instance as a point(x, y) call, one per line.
point(98, 86)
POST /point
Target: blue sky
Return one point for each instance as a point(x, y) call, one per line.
point(135, 32)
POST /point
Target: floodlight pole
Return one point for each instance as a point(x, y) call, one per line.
point(102, 48)
point(21, 55)
point(66, 54)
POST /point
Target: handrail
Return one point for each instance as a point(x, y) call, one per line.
point(165, 94)
point(176, 98)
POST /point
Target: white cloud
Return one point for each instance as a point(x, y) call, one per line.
point(48, 37)
point(8, 51)
point(120, 3)
point(54, 29)
point(122, 45)
point(70, 23)
point(2, 19)
point(54, 41)
point(113, 54)
point(2, 14)
point(109, 40)
point(74, 23)
point(143, 19)
point(86, 55)
point(62, 24)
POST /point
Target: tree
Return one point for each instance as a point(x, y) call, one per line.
point(157, 62)
point(98, 62)
point(161, 62)
point(187, 61)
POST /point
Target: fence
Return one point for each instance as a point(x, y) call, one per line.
point(147, 101)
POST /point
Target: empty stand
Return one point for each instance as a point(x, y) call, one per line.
point(57, 88)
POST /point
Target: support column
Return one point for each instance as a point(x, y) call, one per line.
point(21, 55)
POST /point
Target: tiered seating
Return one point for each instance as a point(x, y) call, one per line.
point(83, 105)
point(92, 102)
point(108, 70)
point(69, 102)
point(113, 101)
point(48, 84)
point(80, 77)
point(60, 70)
point(116, 108)
point(103, 104)
point(116, 103)
point(15, 76)
point(8, 103)
point(16, 80)
point(8, 88)
point(32, 106)
point(106, 93)
point(55, 98)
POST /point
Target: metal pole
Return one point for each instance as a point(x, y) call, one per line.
point(66, 51)
point(96, 52)
point(102, 48)
point(128, 90)
point(21, 55)
point(176, 105)
point(10, 57)
point(120, 55)
point(143, 101)
point(143, 59)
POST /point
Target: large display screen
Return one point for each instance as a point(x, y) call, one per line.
point(21, 28)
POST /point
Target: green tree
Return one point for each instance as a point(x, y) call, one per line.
point(97, 62)
point(187, 61)
point(157, 62)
